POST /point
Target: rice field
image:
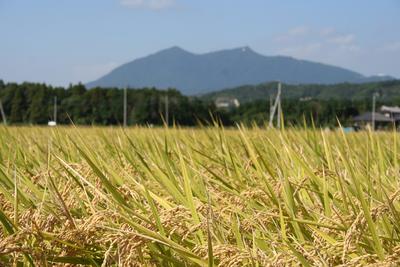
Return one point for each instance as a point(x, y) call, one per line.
point(198, 197)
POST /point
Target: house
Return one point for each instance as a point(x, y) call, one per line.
point(387, 117)
point(391, 112)
point(226, 103)
point(367, 117)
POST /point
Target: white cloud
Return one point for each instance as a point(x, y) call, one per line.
point(345, 39)
point(293, 33)
point(298, 31)
point(341, 48)
point(344, 42)
point(301, 50)
point(148, 4)
point(351, 48)
point(327, 31)
point(319, 44)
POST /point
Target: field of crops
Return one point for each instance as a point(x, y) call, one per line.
point(198, 197)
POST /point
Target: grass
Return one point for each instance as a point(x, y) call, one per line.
point(198, 197)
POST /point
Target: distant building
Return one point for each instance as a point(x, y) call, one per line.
point(367, 117)
point(306, 98)
point(227, 103)
point(391, 112)
point(386, 117)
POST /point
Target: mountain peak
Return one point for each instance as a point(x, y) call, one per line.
point(174, 49)
point(237, 50)
point(246, 49)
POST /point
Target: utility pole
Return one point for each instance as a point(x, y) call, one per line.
point(55, 109)
point(166, 109)
point(373, 110)
point(279, 109)
point(3, 115)
point(270, 103)
point(125, 105)
point(277, 105)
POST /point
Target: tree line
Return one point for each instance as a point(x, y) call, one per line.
point(33, 103)
point(387, 90)
point(296, 112)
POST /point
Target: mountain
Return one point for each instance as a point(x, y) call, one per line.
point(200, 73)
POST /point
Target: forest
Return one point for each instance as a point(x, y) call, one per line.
point(33, 103)
point(387, 91)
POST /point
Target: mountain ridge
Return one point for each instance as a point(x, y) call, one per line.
point(192, 73)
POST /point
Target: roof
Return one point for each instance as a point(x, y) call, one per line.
point(390, 109)
point(367, 116)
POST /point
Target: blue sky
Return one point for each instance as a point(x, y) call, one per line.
point(67, 41)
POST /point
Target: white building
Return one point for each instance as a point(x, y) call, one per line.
point(226, 103)
point(391, 112)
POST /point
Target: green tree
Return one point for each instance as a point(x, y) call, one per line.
point(38, 108)
point(18, 106)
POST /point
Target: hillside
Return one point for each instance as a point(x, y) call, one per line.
point(348, 91)
point(201, 73)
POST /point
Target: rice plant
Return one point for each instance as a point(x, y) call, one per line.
point(198, 197)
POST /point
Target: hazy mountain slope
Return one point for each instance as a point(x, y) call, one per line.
point(201, 73)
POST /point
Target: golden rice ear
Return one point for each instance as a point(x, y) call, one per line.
point(209, 196)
